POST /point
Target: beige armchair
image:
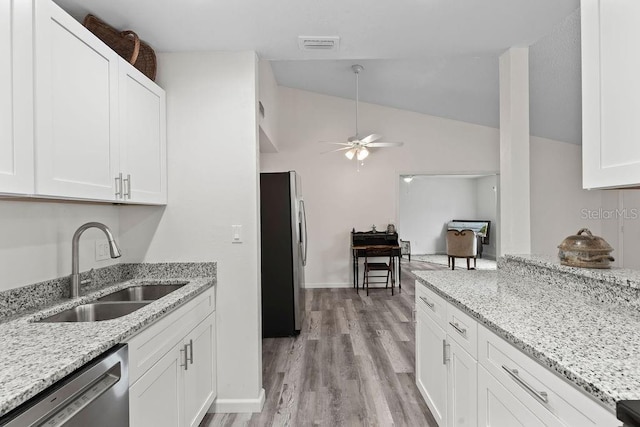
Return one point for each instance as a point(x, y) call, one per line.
point(461, 244)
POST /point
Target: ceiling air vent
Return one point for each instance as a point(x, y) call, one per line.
point(318, 43)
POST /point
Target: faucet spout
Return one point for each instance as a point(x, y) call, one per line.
point(75, 261)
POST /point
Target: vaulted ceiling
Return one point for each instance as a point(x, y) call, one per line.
point(433, 56)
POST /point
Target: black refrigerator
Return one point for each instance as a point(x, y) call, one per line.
point(283, 232)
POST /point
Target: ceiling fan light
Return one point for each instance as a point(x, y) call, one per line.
point(349, 154)
point(363, 153)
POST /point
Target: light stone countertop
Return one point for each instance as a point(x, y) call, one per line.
point(34, 356)
point(594, 344)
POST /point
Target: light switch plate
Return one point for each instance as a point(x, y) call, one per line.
point(236, 234)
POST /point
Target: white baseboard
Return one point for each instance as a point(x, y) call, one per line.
point(238, 406)
point(327, 285)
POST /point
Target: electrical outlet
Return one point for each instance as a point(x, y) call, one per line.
point(102, 250)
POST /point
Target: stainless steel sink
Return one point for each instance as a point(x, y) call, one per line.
point(95, 312)
point(142, 293)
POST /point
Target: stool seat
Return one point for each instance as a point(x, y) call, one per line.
point(387, 267)
point(378, 266)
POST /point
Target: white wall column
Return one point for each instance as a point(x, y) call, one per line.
point(212, 135)
point(515, 212)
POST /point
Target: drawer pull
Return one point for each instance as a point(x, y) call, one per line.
point(185, 365)
point(127, 182)
point(190, 359)
point(540, 395)
point(119, 186)
point(445, 358)
point(426, 301)
point(461, 331)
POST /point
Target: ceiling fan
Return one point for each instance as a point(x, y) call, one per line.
point(359, 147)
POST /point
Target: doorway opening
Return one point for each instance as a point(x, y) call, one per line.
point(430, 205)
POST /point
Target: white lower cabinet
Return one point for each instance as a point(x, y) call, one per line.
point(445, 372)
point(200, 377)
point(431, 372)
point(172, 368)
point(498, 407)
point(469, 376)
point(155, 399)
point(462, 382)
point(551, 400)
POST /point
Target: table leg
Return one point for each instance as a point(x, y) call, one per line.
point(353, 266)
point(399, 275)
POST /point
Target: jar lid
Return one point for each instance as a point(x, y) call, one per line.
point(585, 243)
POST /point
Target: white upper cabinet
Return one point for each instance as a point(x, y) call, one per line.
point(16, 97)
point(76, 120)
point(143, 146)
point(610, 93)
point(76, 108)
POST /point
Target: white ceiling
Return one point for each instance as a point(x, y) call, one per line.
point(556, 83)
point(433, 56)
point(461, 88)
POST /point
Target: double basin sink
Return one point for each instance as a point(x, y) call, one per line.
point(116, 304)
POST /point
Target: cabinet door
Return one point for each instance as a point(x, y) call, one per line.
point(431, 370)
point(200, 377)
point(143, 145)
point(16, 97)
point(497, 407)
point(76, 112)
point(611, 93)
point(462, 386)
point(156, 399)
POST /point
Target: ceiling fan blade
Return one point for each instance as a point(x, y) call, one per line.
point(338, 149)
point(335, 143)
point(370, 138)
point(385, 144)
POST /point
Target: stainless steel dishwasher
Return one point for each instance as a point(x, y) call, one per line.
point(95, 395)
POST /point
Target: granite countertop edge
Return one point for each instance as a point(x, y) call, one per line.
point(619, 276)
point(108, 333)
point(564, 372)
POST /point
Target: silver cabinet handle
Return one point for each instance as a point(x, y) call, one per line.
point(540, 395)
point(461, 331)
point(190, 345)
point(413, 316)
point(127, 194)
point(445, 357)
point(426, 301)
point(119, 186)
point(185, 365)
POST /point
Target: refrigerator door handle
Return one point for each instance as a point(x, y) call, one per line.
point(303, 225)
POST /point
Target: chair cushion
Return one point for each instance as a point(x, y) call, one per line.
point(461, 243)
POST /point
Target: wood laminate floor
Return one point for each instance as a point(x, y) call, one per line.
point(352, 364)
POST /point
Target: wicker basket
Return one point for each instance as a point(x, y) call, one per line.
point(127, 44)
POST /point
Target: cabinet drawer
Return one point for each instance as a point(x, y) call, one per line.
point(463, 329)
point(147, 347)
point(536, 386)
point(433, 305)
